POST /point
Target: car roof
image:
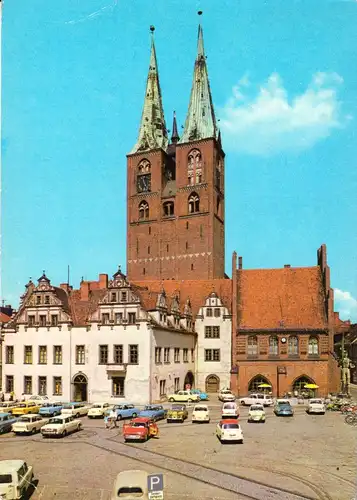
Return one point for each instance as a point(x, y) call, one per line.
point(2, 414)
point(257, 404)
point(10, 465)
point(141, 419)
point(201, 406)
point(229, 421)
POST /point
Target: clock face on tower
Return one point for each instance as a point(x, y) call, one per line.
point(144, 183)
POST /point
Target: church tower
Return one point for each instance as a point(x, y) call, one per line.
point(175, 189)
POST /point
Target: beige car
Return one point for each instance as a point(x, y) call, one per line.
point(75, 410)
point(183, 397)
point(98, 410)
point(29, 424)
point(61, 426)
point(200, 414)
point(131, 484)
point(15, 479)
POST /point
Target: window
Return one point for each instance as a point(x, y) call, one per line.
point(192, 355)
point(54, 320)
point(177, 384)
point(118, 318)
point(47, 299)
point(186, 245)
point(162, 387)
point(191, 267)
point(80, 355)
point(118, 354)
point(201, 231)
point(168, 208)
point(9, 357)
point(144, 271)
point(143, 210)
point(42, 386)
point(57, 354)
point(167, 248)
point(38, 299)
point(105, 318)
point(194, 167)
point(158, 355)
point(313, 346)
point(212, 332)
point(185, 355)
point(209, 312)
point(217, 312)
point(212, 354)
point(103, 354)
point(193, 203)
point(27, 385)
point(57, 386)
point(293, 345)
point(132, 318)
point(217, 205)
point(9, 383)
point(114, 297)
point(149, 250)
point(218, 179)
point(42, 320)
point(149, 230)
point(31, 320)
point(167, 355)
point(124, 296)
point(144, 177)
point(273, 346)
point(28, 354)
point(118, 386)
point(177, 355)
point(186, 225)
point(252, 346)
point(133, 354)
point(42, 355)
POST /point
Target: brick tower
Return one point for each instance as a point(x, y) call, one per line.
point(175, 190)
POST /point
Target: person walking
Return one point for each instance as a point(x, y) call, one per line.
point(113, 419)
point(106, 421)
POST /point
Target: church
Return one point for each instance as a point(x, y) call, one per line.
point(175, 318)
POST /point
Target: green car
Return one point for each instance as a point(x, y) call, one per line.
point(177, 413)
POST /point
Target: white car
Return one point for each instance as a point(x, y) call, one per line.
point(230, 410)
point(256, 413)
point(15, 479)
point(229, 430)
point(39, 399)
point(316, 406)
point(61, 426)
point(252, 399)
point(200, 414)
point(226, 396)
point(183, 397)
point(29, 424)
point(75, 409)
point(97, 410)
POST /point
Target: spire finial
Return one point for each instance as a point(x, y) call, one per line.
point(174, 136)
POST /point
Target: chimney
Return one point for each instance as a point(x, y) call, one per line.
point(103, 281)
point(85, 286)
point(240, 262)
point(66, 287)
point(287, 266)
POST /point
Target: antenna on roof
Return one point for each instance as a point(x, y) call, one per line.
point(68, 275)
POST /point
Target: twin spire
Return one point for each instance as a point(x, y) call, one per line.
point(200, 121)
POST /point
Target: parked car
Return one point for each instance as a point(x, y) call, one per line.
point(230, 410)
point(256, 413)
point(263, 399)
point(155, 412)
point(131, 484)
point(39, 399)
point(8, 406)
point(177, 413)
point(140, 429)
point(200, 413)
point(97, 410)
point(75, 409)
point(6, 421)
point(29, 424)
point(61, 426)
point(26, 407)
point(125, 410)
point(51, 409)
point(229, 430)
point(316, 406)
point(283, 409)
point(226, 395)
point(203, 395)
point(183, 397)
point(15, 479)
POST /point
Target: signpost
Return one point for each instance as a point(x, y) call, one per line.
point(156, 486)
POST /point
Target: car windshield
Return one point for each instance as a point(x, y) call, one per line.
point(22, 405)
point(47, 405)
point(285, 407)
point(151, 408)
point(137, 424)
point(229, 406)
point(5, 478)
point(68, 407)
point(226, 392)
point(56, 421)
point(97, 406)
point(201, 408)
point(316, 401)
point(117, 407)
point(284, 403)
point(230, 426)
point(25, 419)
point(4, 405)
point(257, 408)
point(177, 407)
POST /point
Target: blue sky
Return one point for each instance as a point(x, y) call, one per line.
point(283, 78)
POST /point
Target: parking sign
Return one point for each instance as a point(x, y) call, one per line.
point(156, 486)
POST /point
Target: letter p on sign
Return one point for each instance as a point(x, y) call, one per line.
point(156, 486)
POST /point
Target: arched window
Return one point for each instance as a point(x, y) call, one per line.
point(143, 210)
point(273, 346)
point(168, 208)
point(252, 349)
point(313, 345)
point(144, 167)
point(256, 383)
point(293, 345)
point(143, 181)
point(194, 167)
point(193, 203)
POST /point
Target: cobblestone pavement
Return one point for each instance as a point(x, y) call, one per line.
point(285, 458)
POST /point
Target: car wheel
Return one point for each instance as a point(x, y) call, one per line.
point(119, 417)
point(77, 415)
point(64, 433)
point(241, 441)
point(134, 415)
point(34, 430)
point(172, 400)
point(189, 401)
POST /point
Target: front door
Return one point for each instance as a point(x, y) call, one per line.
point(80, 386)
point(212, 384)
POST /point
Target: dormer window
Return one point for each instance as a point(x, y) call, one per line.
point(217, 312)
point(118, 318)
point(31, 320)
point(38, 299)
point(42, 320)
point(123, 296)
point(54, 320)
point(209, 312)
point(105, 318)
point(47, 299)
point(114, 297)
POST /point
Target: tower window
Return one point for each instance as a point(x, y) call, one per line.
point(167, 248)
point(186, 245)
point(201, 231)
point(144, 271)
point(193, 203)
point(217, 204)
point(149, 250)
point(194, 167)
point(143, 210)
point(149, 230)
point(191, 267)
point(168, 208)
point(186, 225)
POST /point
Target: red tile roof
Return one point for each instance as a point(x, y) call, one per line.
point(82, 309)
point(276, 298)
point(4, 318)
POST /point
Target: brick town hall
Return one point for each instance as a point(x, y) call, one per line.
point(176, 317)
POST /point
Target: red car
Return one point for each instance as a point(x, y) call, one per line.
point(140, 429)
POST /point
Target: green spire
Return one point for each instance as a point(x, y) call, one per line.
point(200, 121)
point(152, 131)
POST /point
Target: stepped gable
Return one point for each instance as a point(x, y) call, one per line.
point(281, 298)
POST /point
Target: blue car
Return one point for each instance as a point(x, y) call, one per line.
point(156, 412)
point(283, 410)
point(51, 409)
point(125, 410)
point(6, 421)
point(203, 395)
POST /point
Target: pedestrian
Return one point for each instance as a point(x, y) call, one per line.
point(106, 421)
point(23, 398)
point(2, 397)
point(113, 419)
point(12, 395)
